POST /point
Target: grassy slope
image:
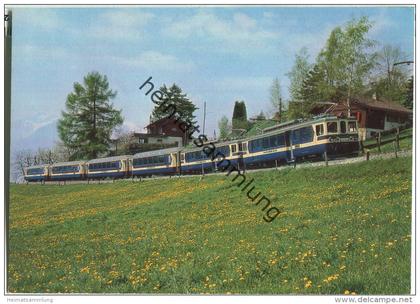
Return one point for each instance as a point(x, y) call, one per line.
point(343, 228)
point(405, 143)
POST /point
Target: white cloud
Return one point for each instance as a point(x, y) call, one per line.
point(43, 19)
point(381, 24)
point(31, 51)
point(153, 60)
point(240, 33)
point(244, 83)
point(120, 25)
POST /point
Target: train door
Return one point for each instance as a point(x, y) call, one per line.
point(179, 161)
point(175, 162)
point(240, 157)
point(242, 149)
point(289, 146)
point(129, 166)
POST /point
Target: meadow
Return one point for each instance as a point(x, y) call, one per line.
point(342, 230)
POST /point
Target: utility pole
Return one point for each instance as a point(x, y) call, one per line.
point(204, 119)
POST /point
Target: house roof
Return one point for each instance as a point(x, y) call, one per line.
point(365, 103)
point(163, 121)
point(382, 105)
point(147, 135)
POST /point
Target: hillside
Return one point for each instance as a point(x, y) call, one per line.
point(343, 229)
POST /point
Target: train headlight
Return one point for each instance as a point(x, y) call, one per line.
point(337, 139)
point(330, 139)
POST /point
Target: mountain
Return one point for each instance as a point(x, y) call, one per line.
point(34, 138)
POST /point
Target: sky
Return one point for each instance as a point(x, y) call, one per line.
point(215, 54)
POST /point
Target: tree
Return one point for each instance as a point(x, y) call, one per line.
point(391, 80)
point(87, 124)
point(346, 59)
point(408, 102)
point(341, 70)
point(22, 159)
point(387, 57)
point(173, 95)
point(275, 98)
point(239, 117)
point(298, 73)
point(261, 116)
point(224, 127)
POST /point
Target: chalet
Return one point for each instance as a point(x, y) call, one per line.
point(373, 115)
point(167, 127)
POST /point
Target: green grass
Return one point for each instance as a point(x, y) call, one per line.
point(342, 229)
point(406, 143)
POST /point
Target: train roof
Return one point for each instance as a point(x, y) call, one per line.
point(288, 125)
point(214, 142)
point(156, 152)
point(37, 166)
point(109, 159)
point(76, 162)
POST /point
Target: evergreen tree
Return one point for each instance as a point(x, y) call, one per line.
point(173, 95)
point(239, 118)
point(261, 116)
point(90, 118)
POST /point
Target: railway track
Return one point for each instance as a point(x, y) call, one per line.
point(335, 162)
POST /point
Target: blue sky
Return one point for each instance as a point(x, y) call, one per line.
point(215, 54)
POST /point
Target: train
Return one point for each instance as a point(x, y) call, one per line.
point(290, 142)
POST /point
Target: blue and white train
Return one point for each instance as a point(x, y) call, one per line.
point(284, 143)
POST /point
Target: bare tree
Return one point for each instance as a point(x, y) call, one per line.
point(387, 57)
point(22, 159)
point(62, 153)
point(47, 156)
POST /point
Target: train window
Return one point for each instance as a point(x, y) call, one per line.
point(222, 150)
point(244, 147)
point(302, 135)
point(233, 148)
point(65, 169)
point(273, 141)
point(265, 143)
point(343, 127)
point(35, 171)
point(352, 126)
point(332, 127)
point(319, 130)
